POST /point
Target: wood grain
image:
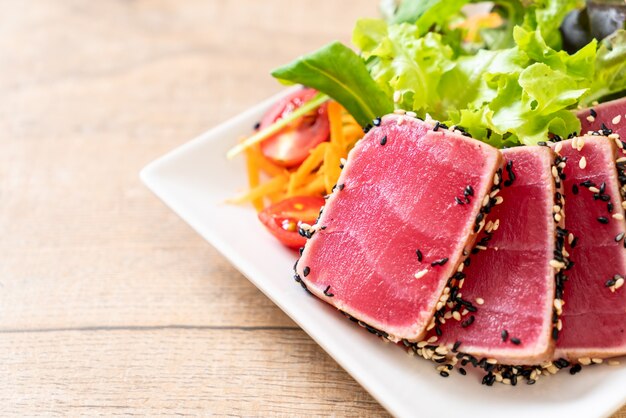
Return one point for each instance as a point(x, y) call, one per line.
point(110, 304)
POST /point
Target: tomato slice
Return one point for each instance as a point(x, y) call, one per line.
point(283, 218)
point(292, 144)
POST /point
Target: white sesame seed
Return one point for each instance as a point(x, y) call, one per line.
point(585, 361)
point(596, 360)
point(619, 143)
point(582, 163)
point(411, 114)
point(343, 161)
point(594, 189)
point(461, 267)
point(461, 282)
point(421, 273)
point(492, 361)
point(570, 238)
point(439, 306)
point(464, 312)
point(619, 283)
point(591, 118)
point(496, 224)
point(399, 111)
point(431, 326)
point(552, 369)
point(432, 339)
point(565, 253)
point(558, 303)
point(558, 147)
point(557, 265)
point(485, 200)
point(480, 301)
point(481, 247)
point(456, 315)
point(498, 377)
point(493, 194)
point(617, 119)
point(305, 227)
point(613, 363)
point(574, 142)
point(496, 179)
point(559, 325)
point(447, 315)
point(499, 200)
point(580, 143)
point(614, 135)
point(556, 208)
point(396, 96)
point(442, 349)
point(621, 160)
point(555, 172)
point(558, 217)
point(624, 205)
point(618, 216)
point(400, 121)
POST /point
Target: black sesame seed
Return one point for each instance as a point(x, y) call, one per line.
point(469, 190)
point(592, 112)
point(575, 189)
point(440, 262)
point(306, 271)
point(603, 220)
point(456, 346)
point(574, 242)
point(376, 122)
point(444, 373)
point(367, 128)
point(609, 207)
point(610, 282)
point(504, 334)
point(462, 371)
point(555, 333)
point(602, 188)
point(257, 126)
point(531, 382)
point(458, 201)
point(383, 141)
point(436, 127)
point(301, 250)
point(542, 143)
point(516, 341)
point(575, 369)
point(341, 186)
point(468, 322)
point(420, 257)
point(327, 292)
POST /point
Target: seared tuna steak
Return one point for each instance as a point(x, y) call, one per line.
point(512, 278)
point(407, 207)
point(594, 314)
point(605, 118)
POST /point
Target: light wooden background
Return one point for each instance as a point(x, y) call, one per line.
point(110, 304)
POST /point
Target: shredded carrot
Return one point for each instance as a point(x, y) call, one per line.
point(271, 186)
point(270, 183)
point(254, 176)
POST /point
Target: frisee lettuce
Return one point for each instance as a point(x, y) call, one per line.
point(519, 88)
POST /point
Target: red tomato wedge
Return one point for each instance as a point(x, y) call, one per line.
point(292, 144)
point(283, 218)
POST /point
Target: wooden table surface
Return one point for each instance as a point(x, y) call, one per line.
point(109, 303)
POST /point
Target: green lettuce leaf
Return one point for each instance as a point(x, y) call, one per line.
point(340, 73)
point(404, 64)
point(610, 68)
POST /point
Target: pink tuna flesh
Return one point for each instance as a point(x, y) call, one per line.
point(612, 114)
point(395, 196)
point(594, 318)
point(513, 276)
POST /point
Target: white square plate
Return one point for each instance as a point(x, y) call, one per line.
point(195, 180)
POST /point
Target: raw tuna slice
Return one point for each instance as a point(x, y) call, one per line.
point(610, 115)
point(407, 207)
point(513, 277)
point(594, 314)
